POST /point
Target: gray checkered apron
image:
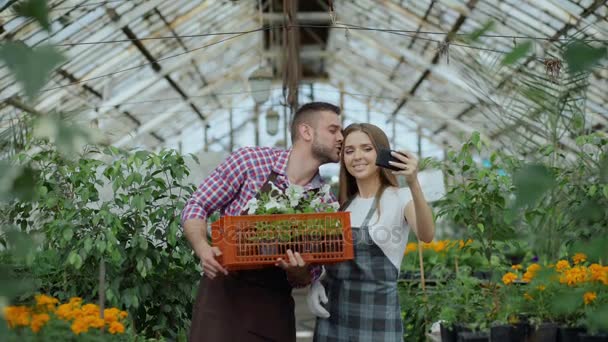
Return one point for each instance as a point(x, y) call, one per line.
point(363, 296)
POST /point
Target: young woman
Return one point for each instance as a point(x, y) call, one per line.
point(363, 300)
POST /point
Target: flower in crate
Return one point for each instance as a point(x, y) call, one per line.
point(293, 200)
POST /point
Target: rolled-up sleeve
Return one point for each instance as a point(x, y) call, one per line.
point(219, 188)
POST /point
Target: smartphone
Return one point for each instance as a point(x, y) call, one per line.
point(383, 158)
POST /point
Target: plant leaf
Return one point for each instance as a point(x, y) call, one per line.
point(35, 9)
point(31, 67)
point(517, 53)
point(581, 56)
point(531, 182)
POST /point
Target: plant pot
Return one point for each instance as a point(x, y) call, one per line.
point(584, 337)
point(569, 334)
point(501, 333)
point(476, 336)
point(546, 332)
point(521, 331)
point(510, 333)
point(448, 334)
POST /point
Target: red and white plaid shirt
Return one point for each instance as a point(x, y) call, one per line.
point(238, 179)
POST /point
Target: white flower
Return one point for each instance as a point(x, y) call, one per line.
point(294, 194)
point(274, 190)
point(316, 204)
point(275, 204)
point(335, 205)
point(251, 206)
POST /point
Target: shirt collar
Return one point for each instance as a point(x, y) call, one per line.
point(280, 167)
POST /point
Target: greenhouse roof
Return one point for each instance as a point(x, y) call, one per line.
point(153, 73)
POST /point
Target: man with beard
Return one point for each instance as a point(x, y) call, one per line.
point(256, 305)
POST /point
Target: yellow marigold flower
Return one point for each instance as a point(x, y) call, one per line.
point(38, 321)
point(578, 258)
point(94, 322)
point(90, 309)
point(79, 326)
point(533, 268)
point(411, 247)
point(111, 315)
point(516, 267)
point(562, 265)
point(528, 297)
point(541, 287)
point(17, 316)
point(116, 328)
point(574, 276)
point(508, 278)
point(65, 312)
point(589, 297)
point(440, 246)
point(46, 303)
point(599, 273)
point(76, 300)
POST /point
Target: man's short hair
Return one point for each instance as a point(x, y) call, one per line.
point(307, 114)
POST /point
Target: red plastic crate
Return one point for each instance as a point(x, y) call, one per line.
point(257, 241)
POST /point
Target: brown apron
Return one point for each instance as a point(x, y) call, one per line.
point(251, 305)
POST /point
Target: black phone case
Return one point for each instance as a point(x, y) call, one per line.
point(384, 156)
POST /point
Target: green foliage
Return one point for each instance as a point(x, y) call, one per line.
point(581, 56)
point(30, 66)
point(34, 9)
point(518, 52)
point(479, 197)
point(121, 209)
point(531, 182)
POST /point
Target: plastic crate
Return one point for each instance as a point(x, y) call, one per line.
point(257, 241)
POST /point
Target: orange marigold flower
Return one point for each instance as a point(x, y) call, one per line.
point(508, 278)
point(38, 321)
point(440, 246)
point(516, 267)
point(589, 297)
point(411, 247)
point(116, 328)
point(65, 312)
point(17, 316)
point(578, 258)
point(573, 276)
point(111, 315)
point(46, 303)
point(123, 314)
point(79, 326)
point(90, 309)
point(76, 300)
point(562, 265)
point(533, 268)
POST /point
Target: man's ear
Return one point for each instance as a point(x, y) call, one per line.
point(306, 132)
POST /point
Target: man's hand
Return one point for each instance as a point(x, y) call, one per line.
point(211, 267)
point(295, 267)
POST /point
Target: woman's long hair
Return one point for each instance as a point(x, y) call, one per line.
point(348, 185)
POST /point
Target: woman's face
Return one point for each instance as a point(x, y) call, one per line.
point(360, 156)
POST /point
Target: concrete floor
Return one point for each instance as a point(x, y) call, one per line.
point(305, 321)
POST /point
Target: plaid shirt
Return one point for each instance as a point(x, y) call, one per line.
point(237, 180)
